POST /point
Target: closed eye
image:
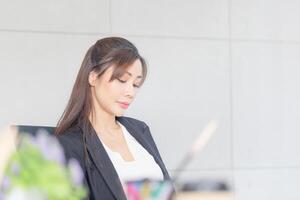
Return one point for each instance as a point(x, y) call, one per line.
point(134, 85)
point(121, 80)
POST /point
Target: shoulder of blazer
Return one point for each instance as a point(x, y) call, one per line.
point(140, 125)
point(72, 144)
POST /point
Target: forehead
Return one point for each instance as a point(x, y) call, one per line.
point(135, 69)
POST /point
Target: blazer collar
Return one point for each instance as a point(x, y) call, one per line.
point(104, 164)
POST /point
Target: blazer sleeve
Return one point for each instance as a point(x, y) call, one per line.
point(73, 148)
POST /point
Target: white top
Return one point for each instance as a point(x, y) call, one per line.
point(143, 166)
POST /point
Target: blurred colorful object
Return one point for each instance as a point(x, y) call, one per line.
point(149, 190)
point(38, 170)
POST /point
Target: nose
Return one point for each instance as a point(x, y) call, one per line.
point(130, 91)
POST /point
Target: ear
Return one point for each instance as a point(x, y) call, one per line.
point(92, 78)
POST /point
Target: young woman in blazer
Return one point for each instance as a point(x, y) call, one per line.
point(110, 148)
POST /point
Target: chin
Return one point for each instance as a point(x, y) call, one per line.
point(119, 113)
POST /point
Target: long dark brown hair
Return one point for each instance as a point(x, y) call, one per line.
point(106, 52)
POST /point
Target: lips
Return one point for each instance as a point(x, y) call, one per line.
point(123, 105)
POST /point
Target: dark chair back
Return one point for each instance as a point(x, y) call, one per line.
point(33, 129)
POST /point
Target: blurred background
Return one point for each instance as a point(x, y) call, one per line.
point(235, 61)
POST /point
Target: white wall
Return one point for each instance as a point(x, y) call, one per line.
point(235, 61)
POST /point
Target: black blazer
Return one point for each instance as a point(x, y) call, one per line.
point(100, 175)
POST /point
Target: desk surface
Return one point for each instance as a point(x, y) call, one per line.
point(203, 195)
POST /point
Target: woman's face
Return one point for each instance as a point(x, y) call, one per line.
point(114, 97)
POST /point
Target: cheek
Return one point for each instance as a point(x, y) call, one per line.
point(110, 92)
point(116, 89)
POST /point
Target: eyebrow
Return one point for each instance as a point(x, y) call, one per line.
point(131, 75)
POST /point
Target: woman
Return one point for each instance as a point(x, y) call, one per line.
point(110, 148)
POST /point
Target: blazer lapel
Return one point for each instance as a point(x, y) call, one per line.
point(140, 137)
point(136, 134)
point(104, 164)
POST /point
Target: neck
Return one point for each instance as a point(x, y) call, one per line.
point(103, 121)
